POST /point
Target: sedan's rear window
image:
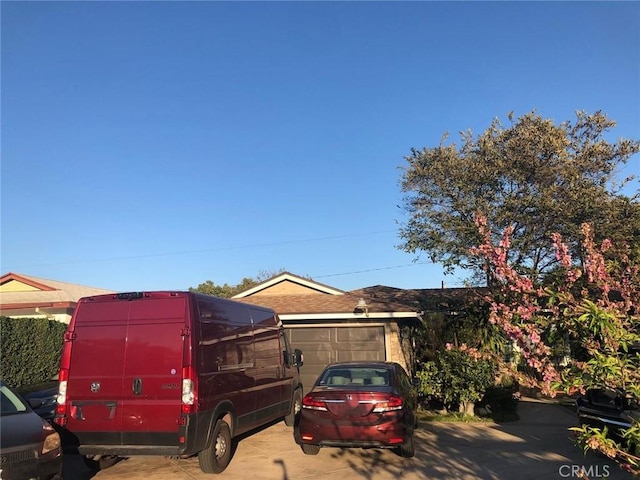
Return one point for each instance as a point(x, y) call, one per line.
point(355, 376)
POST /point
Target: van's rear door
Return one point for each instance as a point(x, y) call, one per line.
point(125, 372)
point(95, 371)
point(152, 373)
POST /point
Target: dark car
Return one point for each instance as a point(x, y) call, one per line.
point(42, 398)
point(359, 404)
point(607, 408)
point(614, 409)
point(29, 446)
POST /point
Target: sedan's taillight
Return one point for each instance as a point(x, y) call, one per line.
point(394, 403)
point(312, 404)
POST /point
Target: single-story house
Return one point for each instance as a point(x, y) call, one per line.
point(331, 325)
point(23, 296)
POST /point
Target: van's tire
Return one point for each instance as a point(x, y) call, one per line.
point(408, 448)
point(291, 420)
point(107, 461)
point(100, 462)
point(310, 449)
point(216, 457)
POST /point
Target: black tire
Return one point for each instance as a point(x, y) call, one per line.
point(408, 448)
point(100, 462)
point(216, 457)
point(310, 449)
point(108, 461)
point(291, 420)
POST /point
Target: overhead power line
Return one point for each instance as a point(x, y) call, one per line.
point(355, 272)
point(371, 270)
point(192, 252)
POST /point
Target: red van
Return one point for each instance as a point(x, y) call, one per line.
point(173, 373)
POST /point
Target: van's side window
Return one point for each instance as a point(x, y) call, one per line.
point(226, 337)
point(286, 351)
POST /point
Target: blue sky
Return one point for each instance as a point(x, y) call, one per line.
point(156, 145)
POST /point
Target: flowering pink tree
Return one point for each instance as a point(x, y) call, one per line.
point(593, 303)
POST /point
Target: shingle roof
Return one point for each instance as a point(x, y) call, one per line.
point(422, 298)
point(315, 304)
point(317, 287)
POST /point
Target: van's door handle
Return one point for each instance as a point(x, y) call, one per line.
point(137, 386)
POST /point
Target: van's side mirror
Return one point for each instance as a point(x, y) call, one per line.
point(298, 357)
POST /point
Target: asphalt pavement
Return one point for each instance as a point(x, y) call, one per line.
point(538, 446)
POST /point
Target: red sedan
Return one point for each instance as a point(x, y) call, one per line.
point(359, 404)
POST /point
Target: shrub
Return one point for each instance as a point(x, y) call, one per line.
point(31, 349)
point(457, 378)
point(500, 399)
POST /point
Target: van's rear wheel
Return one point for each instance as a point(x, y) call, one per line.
point(291, 419)
point(310, 449)
point(216, 457)
point(100, 462)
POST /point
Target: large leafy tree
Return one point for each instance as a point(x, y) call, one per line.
point(533, 175)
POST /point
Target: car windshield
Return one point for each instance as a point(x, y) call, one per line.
point(10, 403)
point(354, 376)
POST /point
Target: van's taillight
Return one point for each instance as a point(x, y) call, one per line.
point(394, 403)
point(60, 417)
point(63, 376)
point(62, 392)
point(188, 390)
point(312, 404)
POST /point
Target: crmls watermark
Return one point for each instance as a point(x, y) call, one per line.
point(584, 471)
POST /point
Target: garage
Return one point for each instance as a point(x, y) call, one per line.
point(322, 345)
point(330, 325)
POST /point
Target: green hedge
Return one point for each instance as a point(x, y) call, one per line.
point(30, 349)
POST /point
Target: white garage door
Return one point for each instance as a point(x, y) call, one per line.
point(324, 345)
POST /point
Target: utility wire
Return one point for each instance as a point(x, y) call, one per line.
point(191, 252)
point(370, 270)
point(355, 272)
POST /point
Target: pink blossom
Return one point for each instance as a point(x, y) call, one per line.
point(516, 308)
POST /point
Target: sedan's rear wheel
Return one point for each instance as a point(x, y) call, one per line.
point(408, 448)
point(310, 449)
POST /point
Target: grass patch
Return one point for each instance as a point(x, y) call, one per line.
point(455, 417)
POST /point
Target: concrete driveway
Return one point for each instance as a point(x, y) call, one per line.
point(538, 446)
